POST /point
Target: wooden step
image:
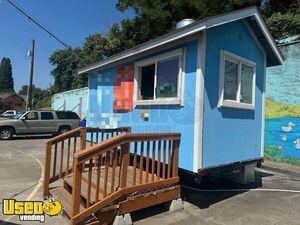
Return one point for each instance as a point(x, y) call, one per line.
point(129, 178)
point(84, 188)
point(65, 198)
point(84, 183)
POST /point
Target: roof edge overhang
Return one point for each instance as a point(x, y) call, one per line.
point(251, 14)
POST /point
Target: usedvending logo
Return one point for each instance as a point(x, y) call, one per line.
point(31, 210)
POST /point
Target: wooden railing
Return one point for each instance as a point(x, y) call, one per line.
point(61, 149)
point(154, 164)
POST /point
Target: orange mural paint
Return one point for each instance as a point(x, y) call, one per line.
point(123, 89)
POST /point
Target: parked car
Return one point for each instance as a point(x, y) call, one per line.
point(39, 122)
point(9, 113)
point(17, 115)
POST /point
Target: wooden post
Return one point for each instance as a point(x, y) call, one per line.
point(83, 138)
point(76, 192)
point(175, 157)
point(124, 164)
point(47, 169)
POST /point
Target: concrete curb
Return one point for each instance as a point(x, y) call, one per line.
point(281, 168)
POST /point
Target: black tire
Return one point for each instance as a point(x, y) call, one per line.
point(6, 133)
point(63, 129)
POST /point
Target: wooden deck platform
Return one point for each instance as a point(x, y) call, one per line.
point(65, 193)
point(118, 175)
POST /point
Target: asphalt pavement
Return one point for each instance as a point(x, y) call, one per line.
point(273, 199)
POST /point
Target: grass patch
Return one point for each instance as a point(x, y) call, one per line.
point(272, 154)
point(279, 110)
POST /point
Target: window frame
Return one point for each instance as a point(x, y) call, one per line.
point(225, 55)
point(36, 113)
point(154, 60)
point(48, 118)
point(67, 115)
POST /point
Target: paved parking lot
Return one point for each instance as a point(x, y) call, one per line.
point(21, 169)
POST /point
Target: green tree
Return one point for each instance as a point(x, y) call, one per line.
point(66, 61)
point(279, 6)
point(41, 97)
point(283, 25)
point(153, 18)
point(94, 48)
point(157, 17)
point(12, 101)
point(6, 78)
point(282, 17)
point(23, 90)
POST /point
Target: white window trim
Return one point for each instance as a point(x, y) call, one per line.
point(239, 60)
point(153, 60)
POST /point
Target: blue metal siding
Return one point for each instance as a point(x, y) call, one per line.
point(230, 134)
point(161, 118)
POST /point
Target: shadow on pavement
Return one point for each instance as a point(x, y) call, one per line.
point(32, 137)
point(7, 223)
point(149, 212)
point(202, 199)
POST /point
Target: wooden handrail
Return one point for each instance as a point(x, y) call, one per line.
point(54, 141)
point(63, 144)
point(64, 136)
point(107, 151)
point(122, 139)
point(68, 134)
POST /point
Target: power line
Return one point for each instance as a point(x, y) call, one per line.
point(37, 23)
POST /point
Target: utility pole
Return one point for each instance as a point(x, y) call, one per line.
point(29, 87)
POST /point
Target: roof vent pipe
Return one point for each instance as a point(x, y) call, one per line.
point(184, 23)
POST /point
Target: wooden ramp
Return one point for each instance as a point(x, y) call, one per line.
point(119, 172)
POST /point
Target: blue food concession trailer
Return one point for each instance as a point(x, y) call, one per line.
point(205, 80)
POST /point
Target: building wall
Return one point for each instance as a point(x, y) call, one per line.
point(161, 118)
point(283, 81)
point(230, 134)
point(71, 99)
point(283, 106)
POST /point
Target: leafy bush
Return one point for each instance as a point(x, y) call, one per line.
point(12, 101)
point(283, 25)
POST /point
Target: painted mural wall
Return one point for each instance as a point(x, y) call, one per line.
point(75, 100)
point(282, 131)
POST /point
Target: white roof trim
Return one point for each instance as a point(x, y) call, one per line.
point(145, 47)
point(230, 17)
point(189, 30)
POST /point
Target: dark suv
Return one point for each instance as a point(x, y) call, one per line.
point(39, 122)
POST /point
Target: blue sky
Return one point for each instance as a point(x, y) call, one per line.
point(70, 20)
